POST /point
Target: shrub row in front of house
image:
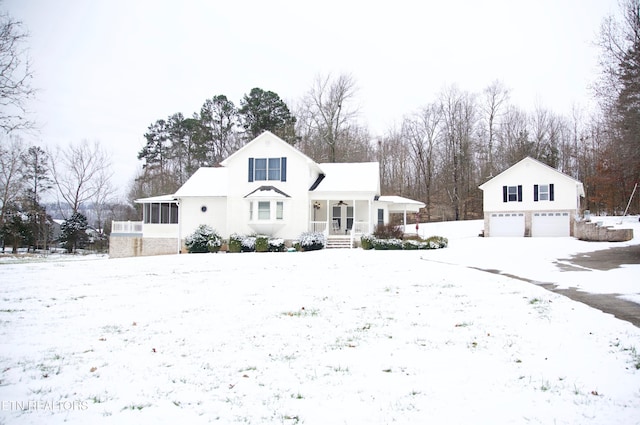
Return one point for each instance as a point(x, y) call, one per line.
point(207, 239)
point(373, 242)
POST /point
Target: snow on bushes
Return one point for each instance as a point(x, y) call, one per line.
point(311, 241)
point(255, 243)
point(372, 242)
point(203, 239)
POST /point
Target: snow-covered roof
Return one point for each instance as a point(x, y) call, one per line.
point(400, 204)
point(350, 177)
point(206, 181)
point(276, 142)
point(161, 198)
point(523, 163)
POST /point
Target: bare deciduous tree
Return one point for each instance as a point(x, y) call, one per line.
point(331, 110)
point(11, 182)
point(495, 97)
point(80, 172)
point(422, 132)
point(15, 76)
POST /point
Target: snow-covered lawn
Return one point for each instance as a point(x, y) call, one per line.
point(324, 337)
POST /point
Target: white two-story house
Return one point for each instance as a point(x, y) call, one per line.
point(531, 199)
point(267, 187)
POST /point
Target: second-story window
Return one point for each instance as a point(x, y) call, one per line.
point(274, 169)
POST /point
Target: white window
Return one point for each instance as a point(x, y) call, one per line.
point(261, 169)
point(543, 192)
point(264, 210)
point(274, 168)
point(513, 193)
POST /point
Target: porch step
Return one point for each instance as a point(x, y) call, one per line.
point(338, 242)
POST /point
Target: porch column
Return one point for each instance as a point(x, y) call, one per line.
point(179, 227)
point(328, 229)
point(405, 219)
point(370, 216)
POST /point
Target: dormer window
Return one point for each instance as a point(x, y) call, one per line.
point(262, 169)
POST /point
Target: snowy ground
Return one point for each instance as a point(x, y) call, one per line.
point(325, 337)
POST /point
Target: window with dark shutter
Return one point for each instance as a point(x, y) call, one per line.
point(535, 193)
point(250, 169)
point(551, 195)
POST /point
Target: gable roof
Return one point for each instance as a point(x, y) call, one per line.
point(349, 177)
point(528, 160)
point(206, 181)
point(269, 136)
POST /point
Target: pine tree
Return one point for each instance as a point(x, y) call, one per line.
point(73, 231)
point(264, 110)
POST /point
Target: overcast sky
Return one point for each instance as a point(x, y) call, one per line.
point(107, 69)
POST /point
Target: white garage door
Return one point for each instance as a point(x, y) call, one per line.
point(506, 224)
point(550, 224)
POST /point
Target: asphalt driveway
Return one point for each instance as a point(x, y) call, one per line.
point(605, 259)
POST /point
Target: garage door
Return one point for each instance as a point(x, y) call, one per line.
point(506, 224)
point(550, 224)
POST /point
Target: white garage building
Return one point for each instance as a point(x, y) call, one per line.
point(531, 199)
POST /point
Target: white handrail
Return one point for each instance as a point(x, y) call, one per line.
point(126, 227)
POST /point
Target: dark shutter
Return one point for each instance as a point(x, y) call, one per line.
point(535, 192)
point(283, 169)
point(250, 169)
point(505, 194)
point(519, 193)
point(551, 192)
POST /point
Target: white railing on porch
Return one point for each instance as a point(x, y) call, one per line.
point(359, 228)
point(318, 226)
point(126, 227)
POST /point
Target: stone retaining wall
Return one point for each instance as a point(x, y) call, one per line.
point(136, 246)
point(589, 231)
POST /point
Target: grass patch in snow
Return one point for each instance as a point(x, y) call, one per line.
point(303, 312)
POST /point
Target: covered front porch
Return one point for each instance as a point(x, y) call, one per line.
point(344, 218)
point(340, 218)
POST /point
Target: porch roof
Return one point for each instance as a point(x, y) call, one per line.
point(152, 199)
point(401, 204)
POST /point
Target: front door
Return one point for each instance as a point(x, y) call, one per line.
point(341, 218)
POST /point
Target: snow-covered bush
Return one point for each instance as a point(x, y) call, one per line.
point(262, 243)
point(435, 242)
point(311, 241)
point(366, 241)
point(276, 245)
point(235, 242)
point(203, 239)
point(413, 244)
point(259, 243)
point(248, 244)
point(387, 244)
point(372, 242)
